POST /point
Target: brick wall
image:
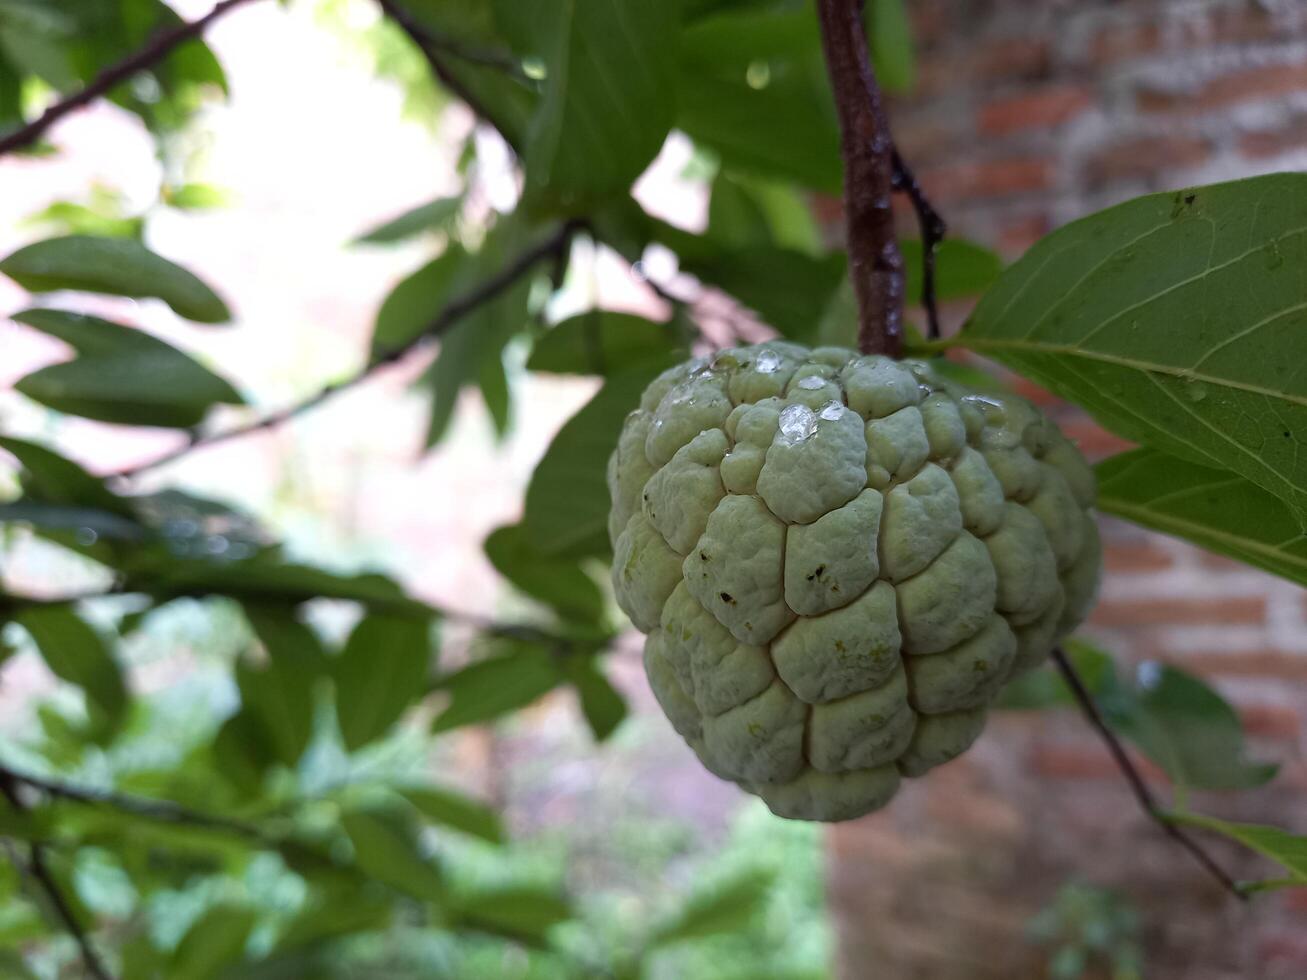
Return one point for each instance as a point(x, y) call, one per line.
point(1028, 114)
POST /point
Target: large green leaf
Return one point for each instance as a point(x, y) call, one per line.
point(722, 907)
point(413, 304)
point(433, 216)
point(118, 266)
point(1281, 846)
point(891, 44)
point(603, 342)
point(51, 478)
point(379, 674)
point(75, 653)
point(1215, 509)
point(386, 849)
point(602, 705)
point(522, 912)
point(121, 375)
point(557, 582)
point(451, 809)
point(1179, 320)
point(216, 940)
point(278, 696)
point(497, 685)
point(567, 499)
point(609, 98)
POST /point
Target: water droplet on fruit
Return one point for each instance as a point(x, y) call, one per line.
point(798, 423)
point(832, 411)
point(769, 362)
point(811, 383)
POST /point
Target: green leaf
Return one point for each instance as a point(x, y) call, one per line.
point(891, 44)
point(1188, 729)
point(118, 266)
point(196, 197)
point(1215, 509)
point(1178, 320)
point(557, 582)
point(519, 912)
point(435, 215)
point(279, 695)
point(1044, 688)
point(962, 268)
point(121, 375)
point(489, 688)
point(450, 809)
point(724, 907)
point(567, 499)
point(609, 98)
point(379, 674)
point(75, 653)
point(1281, 846)
point(603, 707)
point(387, 850)
point(51, 478)
point(413, 304)
point(216, 940)
point(603, 342)
point(60, 517)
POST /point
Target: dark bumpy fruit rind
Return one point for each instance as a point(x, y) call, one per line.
point(839, 561)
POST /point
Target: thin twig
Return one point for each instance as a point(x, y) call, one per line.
point(933, 230)
point(448, 317)
point(155, 50)
point(875, 264)
point(434, 49)
point(1147, 802)
point(45, 879)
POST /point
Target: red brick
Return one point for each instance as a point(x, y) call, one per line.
point(1179, 611)
point(1249, 84)
point(1145, 157)
point(1252, 663)
point(1043, 109)
point(1017, 235)
point(1141, 556)
point(1271, 720)
point(1263, 143)
point(1095, 441)
point(989, 178)
point(1089, 761)
point(1121, 41)
point(1005, 59)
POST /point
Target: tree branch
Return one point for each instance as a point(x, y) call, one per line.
point(933, 230)
point(45, 880)
point(454, 310)
point(155, 50)
point(875, 264)
point(1144, 796)
point(433, 48)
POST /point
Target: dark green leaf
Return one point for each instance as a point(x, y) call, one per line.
point(609, 98)
point(216, 940)
point(557, 582)
point(413, 304)
point(1178, 320)
point(379, 674)
point(489, 688)
point(891, 44)
point(1289, 850)
point(50, 478)
point(1044, 687)
point(76, 653)
point(64, 518)
point(721, 908)
point(118, 266)
point(278, 696)
point(444, 806)
point(962, 268)
point(1214, 509)
point(735, 217)
point(433, 216)
point(567, 500)
point(387, 850)
point(121, 375)
point(518, 911)
point(602, 706)
point(603, 342)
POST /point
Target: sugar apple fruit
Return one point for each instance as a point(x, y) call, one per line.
point(839, 561)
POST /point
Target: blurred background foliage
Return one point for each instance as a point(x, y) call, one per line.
point(295, 799)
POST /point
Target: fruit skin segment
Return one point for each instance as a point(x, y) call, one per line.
point(839, 561)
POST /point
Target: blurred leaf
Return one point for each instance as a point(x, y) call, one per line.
point(488, 688)
point(121, 375)
point(72, 218)
point(75, 653)
point(1188, 729)
point(1215, 509)
point(891, 44)
point(735, 217)
point(433, 216)
point(1044, 688)
point(556, 582)
point(62, 517)
point(1178, 320)
point(962, 268)
point(723, 907)
point(413, 304)
point(520, 912)
point(1281, 846)
point(603, 342)
point(386, 850)
point(217, 939)
point(330, 913)
point(608, 98)
point(444, 806)
point(278, 696)
point(567, 499)
point(603, 707)
point(50, 478)
point(118, 266)
point(379, 674)
point(196, 197)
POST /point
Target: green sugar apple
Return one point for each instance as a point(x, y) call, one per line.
point(839, 561)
